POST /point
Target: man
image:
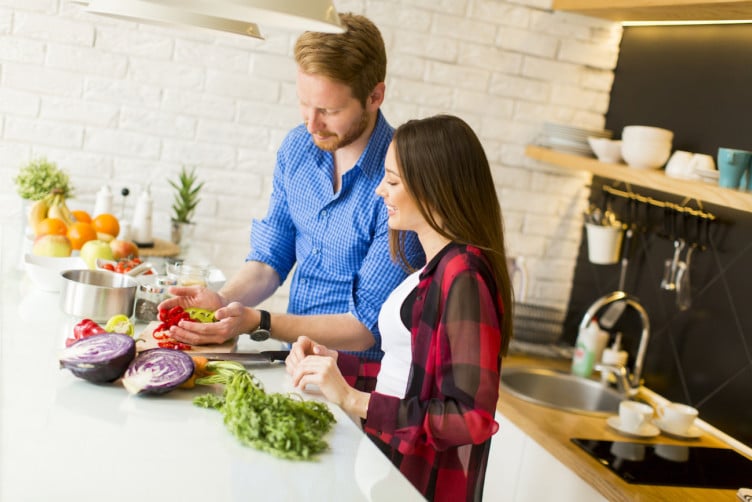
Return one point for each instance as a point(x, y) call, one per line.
point(323, 214)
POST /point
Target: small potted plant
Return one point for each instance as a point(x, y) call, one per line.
point(186, 198)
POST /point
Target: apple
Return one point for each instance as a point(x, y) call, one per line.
point(91, 250)
point(52, 245)
point(105, 237)
point(123, 249)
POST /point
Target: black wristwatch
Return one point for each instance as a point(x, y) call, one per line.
point(264, 330)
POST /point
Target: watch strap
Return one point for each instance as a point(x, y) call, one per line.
point(265, 322)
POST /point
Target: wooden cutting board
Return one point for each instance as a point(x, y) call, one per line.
point(149, 342)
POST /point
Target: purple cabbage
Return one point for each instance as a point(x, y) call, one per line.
point(99, 358)
point(156, 371)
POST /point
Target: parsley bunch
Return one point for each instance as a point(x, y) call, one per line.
point(284, 425)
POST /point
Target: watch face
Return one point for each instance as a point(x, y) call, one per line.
point(260, 335)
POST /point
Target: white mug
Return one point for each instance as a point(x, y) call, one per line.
point(633, 415)
point(678, 417)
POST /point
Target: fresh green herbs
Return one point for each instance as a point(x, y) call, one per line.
point(39, 177)
point(284, 425)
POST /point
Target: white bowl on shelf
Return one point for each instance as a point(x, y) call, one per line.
point(45, 271)
point(607, 150)
point(646, 133)
point(645, 154)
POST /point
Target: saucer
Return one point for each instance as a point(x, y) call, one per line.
point(647, 430)
point(693, 432)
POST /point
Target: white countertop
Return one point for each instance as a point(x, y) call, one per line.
point(62, 438)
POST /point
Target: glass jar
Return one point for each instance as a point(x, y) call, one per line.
point(148, 297)
point(189, 274)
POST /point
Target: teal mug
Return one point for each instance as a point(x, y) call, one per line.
point(732, 166)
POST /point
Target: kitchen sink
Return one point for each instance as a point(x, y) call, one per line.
point(562, 391)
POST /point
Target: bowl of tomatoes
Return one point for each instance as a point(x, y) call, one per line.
point(128, 266)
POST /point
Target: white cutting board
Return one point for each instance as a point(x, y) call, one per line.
point(149, 342)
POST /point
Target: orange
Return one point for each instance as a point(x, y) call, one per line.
point(54, 226)
point(106, 223)
point(82, 215)
point(80, 233)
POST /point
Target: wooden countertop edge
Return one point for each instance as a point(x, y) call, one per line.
point(553, 430)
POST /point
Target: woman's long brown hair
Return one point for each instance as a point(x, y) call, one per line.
point(445, 169)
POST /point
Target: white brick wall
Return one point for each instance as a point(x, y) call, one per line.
point(128, 104)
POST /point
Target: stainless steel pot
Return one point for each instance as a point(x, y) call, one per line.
point(97, 294)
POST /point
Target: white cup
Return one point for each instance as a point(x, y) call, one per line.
point(678, 418)
point(633, 415)
point(701, 162)
point(678, 164)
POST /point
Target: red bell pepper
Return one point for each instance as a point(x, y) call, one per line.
point(83, 329)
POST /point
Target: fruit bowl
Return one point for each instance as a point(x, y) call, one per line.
point(46, 271)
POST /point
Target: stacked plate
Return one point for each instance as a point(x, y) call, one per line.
point(537, 323)
point(568, 138)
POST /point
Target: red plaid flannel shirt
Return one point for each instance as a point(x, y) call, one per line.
point(439, 434)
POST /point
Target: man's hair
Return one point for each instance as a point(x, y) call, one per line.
point(356, 58)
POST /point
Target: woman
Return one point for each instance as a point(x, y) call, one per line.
point(444, 328)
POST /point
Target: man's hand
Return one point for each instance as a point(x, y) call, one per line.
point(193, 296)
point(232, 321)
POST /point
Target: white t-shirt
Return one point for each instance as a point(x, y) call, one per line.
point(396, 341)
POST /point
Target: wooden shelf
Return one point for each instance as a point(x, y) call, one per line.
point(655, 179)
point(659, 10)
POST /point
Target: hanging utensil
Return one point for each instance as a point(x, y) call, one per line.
point(683, 292)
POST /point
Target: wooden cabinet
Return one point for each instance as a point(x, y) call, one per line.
point(655, 179)
point(658, 10)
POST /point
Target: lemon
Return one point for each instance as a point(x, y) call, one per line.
point(120, 323)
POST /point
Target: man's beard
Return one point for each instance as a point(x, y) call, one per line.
point(333, 142)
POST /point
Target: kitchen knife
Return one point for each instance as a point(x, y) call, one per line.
point(245, 358)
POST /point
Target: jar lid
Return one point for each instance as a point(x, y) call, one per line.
point(164, 281)
point(151, 288)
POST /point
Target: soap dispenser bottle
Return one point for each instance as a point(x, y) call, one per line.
point(585, 349)
point(142, 220)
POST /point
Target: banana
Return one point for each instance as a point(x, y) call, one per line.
point(38, 212)
point(70, 218)
point(55, 212)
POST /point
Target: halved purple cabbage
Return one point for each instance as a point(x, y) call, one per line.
point(156, 371)
point(99, 358)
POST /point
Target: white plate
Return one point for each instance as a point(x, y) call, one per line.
point(693, 432)
point(647, 430)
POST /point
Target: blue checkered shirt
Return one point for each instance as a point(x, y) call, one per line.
point(338, 240)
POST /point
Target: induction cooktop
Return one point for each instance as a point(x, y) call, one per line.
point(671, 465)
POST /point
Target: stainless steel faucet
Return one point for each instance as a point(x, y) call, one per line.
point(627, 384)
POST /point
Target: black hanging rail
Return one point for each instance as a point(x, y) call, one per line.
point(680, 208)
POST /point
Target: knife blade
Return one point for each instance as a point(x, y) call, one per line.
point(245, 358)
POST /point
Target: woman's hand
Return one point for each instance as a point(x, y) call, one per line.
point(303, 347)
point(314, 364)
point(232, 320)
